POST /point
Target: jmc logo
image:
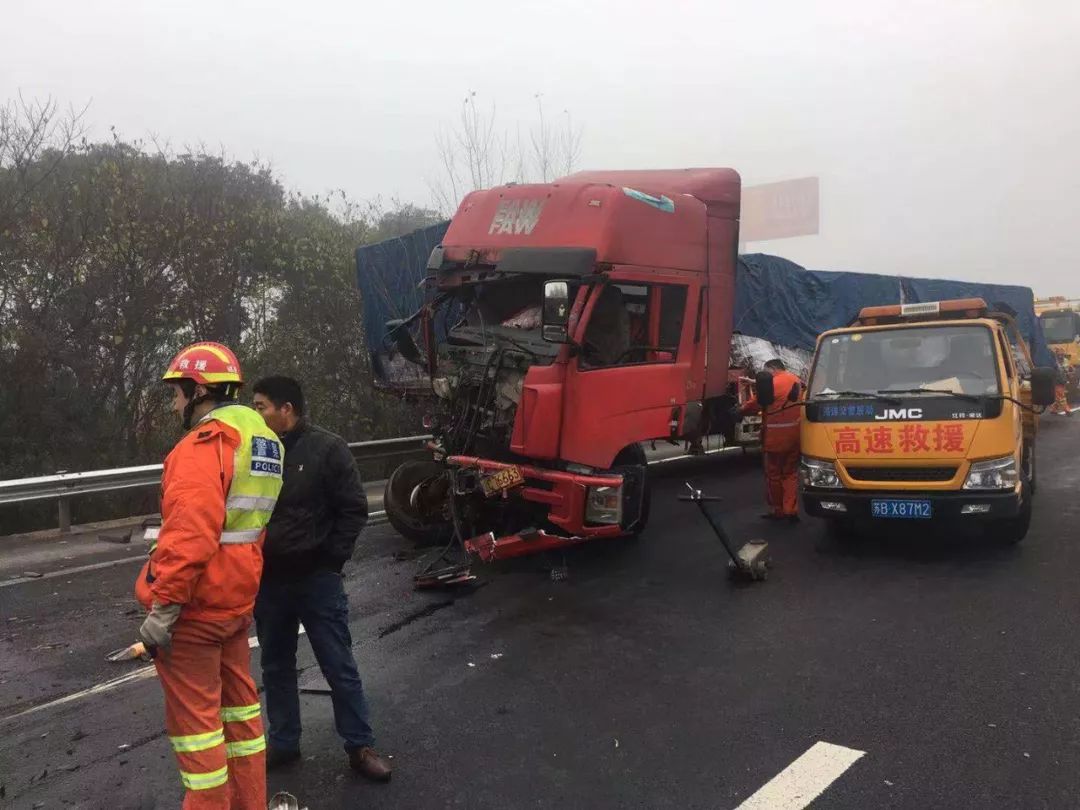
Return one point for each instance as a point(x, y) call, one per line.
point(892, 414)
point(516, 216)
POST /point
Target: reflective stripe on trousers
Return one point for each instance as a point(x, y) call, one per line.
point(245, 748)
point(205, 781)
point(238, 714)
point(192, 743)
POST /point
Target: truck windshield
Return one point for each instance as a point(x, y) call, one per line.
point(1061, 327)
point(504, 312)
point(959, 359)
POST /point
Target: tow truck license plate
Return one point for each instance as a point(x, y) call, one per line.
point(504, 479)
point(901, 509)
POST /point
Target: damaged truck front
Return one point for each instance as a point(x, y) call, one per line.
point(564, 324)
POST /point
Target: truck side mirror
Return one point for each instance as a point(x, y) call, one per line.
point(764, 390)
point(1043, 382)
point(556, 312)
point(398, 332)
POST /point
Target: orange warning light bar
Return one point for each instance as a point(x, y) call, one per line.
point(931, 310)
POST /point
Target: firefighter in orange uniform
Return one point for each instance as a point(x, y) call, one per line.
point(219, 487)
point(780, 442)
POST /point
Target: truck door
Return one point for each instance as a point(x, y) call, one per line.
point(634, 369)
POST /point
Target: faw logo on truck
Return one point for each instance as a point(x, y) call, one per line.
point(516, 216)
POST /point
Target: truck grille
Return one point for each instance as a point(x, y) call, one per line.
point(902, 473)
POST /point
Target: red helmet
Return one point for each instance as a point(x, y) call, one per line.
point(205, 364)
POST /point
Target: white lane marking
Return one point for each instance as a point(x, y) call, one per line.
point(804, 779)
point(140, 674)
point(374, 519)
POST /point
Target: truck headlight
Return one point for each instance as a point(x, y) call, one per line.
point(996, 473)
point(604, 505)
point(819, 474)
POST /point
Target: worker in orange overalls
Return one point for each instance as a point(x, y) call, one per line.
point(780, 442)
point(220, 484)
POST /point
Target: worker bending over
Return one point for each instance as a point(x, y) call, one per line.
point(780, 442)
point(218, 489)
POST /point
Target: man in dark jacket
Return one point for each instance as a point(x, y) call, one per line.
point(318, 517)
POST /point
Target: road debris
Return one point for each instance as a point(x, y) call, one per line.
point(284, 801)
point(33, 574)
point(496, 656)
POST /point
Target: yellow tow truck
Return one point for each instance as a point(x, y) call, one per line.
point(920, 412)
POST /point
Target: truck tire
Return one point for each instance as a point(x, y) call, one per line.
point(414, 525)
point(1012, 530)
point(1028, 462)
point(635, 454)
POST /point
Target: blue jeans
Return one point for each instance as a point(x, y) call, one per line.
point(318, 601)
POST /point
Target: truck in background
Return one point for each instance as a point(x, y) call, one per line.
point(1060, 320)
point(919, 412)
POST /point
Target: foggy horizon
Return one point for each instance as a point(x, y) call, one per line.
point(943, 137)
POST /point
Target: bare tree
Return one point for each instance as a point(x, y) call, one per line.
point(568, 146)
point(474, 155)
point(542, 143)
point(30, 130)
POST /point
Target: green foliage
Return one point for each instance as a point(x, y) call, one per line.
point(113, 257)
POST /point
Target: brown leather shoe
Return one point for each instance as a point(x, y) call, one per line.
point(368, 763)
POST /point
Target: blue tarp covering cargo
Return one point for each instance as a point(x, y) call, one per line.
point(775, 299)
point(389, 275)
point(783, 303)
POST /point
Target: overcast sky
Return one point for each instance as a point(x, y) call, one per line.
point(946, 133)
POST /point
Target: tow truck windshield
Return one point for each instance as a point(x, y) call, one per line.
point(935, 359)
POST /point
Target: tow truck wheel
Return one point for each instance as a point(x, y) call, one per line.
point(1029, 466)
point(1013, 530)
point(413, 501)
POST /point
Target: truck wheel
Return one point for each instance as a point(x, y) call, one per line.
point(1012, 530)
point(1029, 466)
point(635, 454)
point(423, 523)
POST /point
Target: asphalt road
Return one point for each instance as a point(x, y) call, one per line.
point(647, 679)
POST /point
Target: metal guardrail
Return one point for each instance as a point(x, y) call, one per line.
point(63, 486)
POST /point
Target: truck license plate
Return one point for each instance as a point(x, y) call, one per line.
point(504, 479)
point(901, 509)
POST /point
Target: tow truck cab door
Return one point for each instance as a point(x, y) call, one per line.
point(641, 360)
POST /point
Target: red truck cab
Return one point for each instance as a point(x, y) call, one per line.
point(568, 323)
